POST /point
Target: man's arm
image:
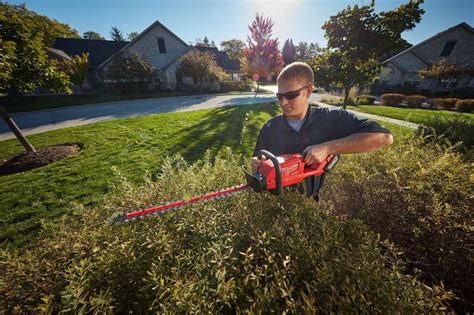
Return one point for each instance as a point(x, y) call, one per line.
point(356, 143)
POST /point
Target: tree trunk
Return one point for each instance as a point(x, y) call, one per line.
point(19, 135)
point(256, 91)
point(346, 96)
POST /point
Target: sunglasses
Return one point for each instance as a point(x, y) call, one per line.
point(292, 94)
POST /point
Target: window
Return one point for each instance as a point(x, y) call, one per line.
point(161, 45)
point(448, 48)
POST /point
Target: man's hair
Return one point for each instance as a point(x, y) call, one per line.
point(299, 71)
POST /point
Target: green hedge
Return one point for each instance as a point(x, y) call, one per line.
point(466, 106)
point(444, 103)
point(415, 100)
point(392, 99)
point(419, 196)
point(365, 99)
point(253, 254)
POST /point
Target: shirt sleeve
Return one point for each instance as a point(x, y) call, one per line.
point(259, 145)
point(344, 123)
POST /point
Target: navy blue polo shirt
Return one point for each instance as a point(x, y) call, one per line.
point(320, 125)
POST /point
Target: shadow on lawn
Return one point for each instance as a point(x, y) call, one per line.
point(221, 127)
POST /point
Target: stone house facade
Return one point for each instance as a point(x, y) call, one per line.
point(162, 49)
point(455, 44)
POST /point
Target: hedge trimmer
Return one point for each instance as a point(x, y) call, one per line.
point(274, 174)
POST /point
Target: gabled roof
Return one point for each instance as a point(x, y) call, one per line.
point(99, 50)
point(222, 58)
point(463, 25)
point(156, 23)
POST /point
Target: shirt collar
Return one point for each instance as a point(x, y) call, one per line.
point(308, 119)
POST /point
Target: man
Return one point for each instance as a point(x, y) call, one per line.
point(314, 132)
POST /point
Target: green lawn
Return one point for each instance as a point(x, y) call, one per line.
point(416, 115)
point(120, 148)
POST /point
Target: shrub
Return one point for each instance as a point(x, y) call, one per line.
point(466, 106)
point(366, 100)
point(252, 254)
point(392, 99)
point(415, 100)
point(420, 197)
point(227, 86)
point(445, 103)
point(454, 130)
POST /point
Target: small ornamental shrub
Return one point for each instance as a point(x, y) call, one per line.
point(444, 103)
point(227, 86)
point(255, 253)
point(466, 106)
point(392, 99)
point(366, 100)
point(415, 100)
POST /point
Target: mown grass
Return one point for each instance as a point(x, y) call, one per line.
point(126, 147)
point(111, 150)
point(415, 115)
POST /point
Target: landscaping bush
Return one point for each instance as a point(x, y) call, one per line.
point(420, 197)
point(458, 131)
point(444, 103)
point(253, 254)
point(227, 86)
point(415, 100)
point(466, 106)
point(366, 100)
point(392, 99)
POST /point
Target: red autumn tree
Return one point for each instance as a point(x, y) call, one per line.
point(262, 54)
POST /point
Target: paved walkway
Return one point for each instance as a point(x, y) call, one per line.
point(46, 120)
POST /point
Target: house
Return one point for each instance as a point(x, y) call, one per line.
point(99, 51)
point(455, 44)
point(158, 45)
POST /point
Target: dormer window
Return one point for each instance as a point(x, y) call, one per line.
point(448, 48)
point(161, 45)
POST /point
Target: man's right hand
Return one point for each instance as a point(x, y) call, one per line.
point(256, 162)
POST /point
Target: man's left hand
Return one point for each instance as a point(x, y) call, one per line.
point(315, 153)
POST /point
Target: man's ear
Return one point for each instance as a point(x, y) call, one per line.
point(309, 91)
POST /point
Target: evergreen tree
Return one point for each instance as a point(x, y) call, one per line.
point(116, 34)
point(288, 52)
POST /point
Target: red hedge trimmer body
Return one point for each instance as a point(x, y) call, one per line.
point(274, 174)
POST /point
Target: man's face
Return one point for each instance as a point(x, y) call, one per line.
point(294, 108)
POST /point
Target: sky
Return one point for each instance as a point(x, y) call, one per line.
point(219, 20)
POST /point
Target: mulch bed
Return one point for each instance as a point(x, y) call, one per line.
point(46, 155)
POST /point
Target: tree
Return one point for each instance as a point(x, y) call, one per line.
point(262, 56)
point(333, 69)
point(288, 52)
point(203, 42)
point(131, 36)
point(443, 69)
point(130, 72)
point(201, 66)
point(24, 63)
point(359, 37)
point(116, 35)
point(49, 29)
point(305, 51)
point(92, 35)
point(234, 48)
point(76, 68)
